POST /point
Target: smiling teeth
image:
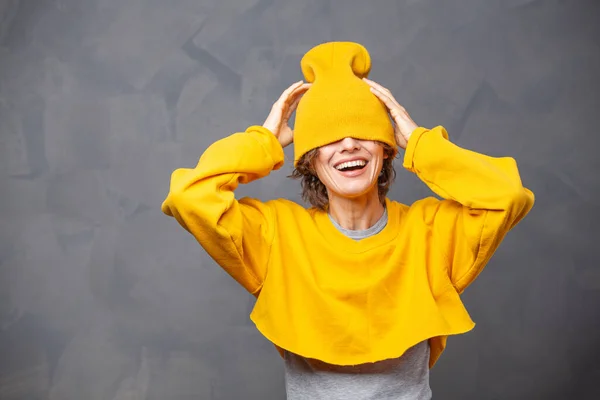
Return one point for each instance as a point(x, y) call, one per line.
point(357, 163)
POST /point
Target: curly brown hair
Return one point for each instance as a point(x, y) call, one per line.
point(315, 192)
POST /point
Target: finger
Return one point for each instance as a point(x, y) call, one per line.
point(291, 108)
point(378, 86)
point(292, 87)
point(286, 93)
point(384, 97)
point(396, 111)
point(388, 99)
point(288, 97)
point(381, 91)
point(384, 91)
point(296, 94)
point(299, 90)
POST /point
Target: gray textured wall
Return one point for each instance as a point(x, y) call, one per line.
point(103, 297)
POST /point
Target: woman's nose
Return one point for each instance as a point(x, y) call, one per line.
point(350, 143)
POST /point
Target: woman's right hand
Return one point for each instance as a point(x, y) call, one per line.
point(277, 121)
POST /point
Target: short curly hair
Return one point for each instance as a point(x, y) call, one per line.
point(315, 192)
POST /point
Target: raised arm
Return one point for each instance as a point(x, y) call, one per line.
point(483, 196)
point(237, 234)
point(484, 199)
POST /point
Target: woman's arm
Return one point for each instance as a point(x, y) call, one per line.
point(236, 234)
point(484, 199)
point(483, 196)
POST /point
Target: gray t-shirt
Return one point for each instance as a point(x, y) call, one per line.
point(403, 378)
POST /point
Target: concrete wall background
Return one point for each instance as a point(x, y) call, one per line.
point(103, 297)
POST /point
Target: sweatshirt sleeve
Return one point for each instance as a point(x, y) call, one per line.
point(237, 234)
point(483, 199)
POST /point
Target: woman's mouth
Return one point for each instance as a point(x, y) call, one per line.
point(351, 168)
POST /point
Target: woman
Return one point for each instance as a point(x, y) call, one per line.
point(358, 292)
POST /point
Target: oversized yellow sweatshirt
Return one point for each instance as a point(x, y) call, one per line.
point(323, 295)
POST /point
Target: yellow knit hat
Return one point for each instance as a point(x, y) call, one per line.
point(339, 104)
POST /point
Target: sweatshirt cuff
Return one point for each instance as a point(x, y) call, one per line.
point(411, 146)
point(270, 144)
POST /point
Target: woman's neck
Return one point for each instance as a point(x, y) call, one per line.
point(356, 213)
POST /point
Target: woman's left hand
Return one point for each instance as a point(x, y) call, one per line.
point(404, 126)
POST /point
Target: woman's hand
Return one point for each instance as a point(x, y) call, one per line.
point(277, 121)
point(404, 126)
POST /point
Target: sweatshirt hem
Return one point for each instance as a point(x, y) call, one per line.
point(364, 358)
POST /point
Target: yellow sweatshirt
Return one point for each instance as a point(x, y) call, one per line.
point(323, 295)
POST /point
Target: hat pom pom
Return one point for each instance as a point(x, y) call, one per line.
point(336, 57)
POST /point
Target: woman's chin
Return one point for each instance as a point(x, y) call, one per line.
point(355, 190)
